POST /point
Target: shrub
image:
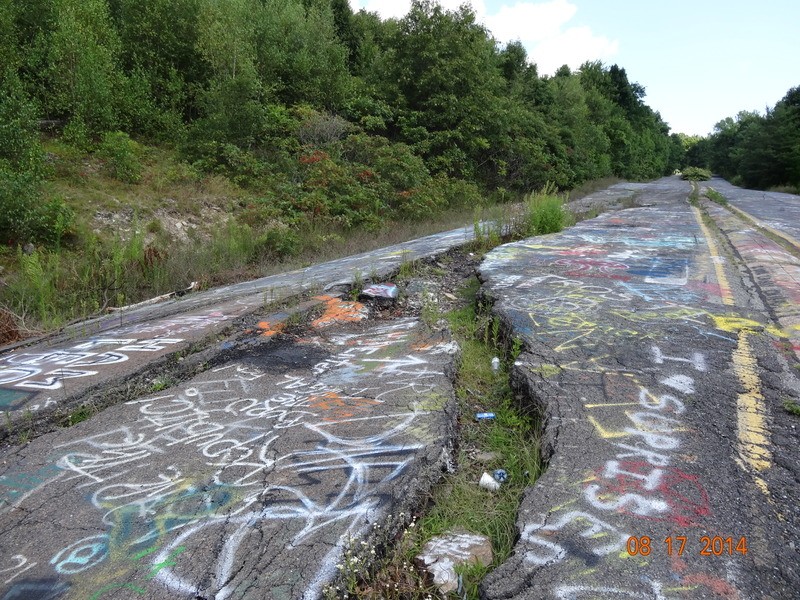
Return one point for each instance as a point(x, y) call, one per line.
point(696, 174)
point(544, 213)
point(23, 215)
point(122, 157)
point(240, 166)
point(278, 242)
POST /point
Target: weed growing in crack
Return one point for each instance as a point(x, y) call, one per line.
point(358, 284)
point(408, 268)
point(82, 413)
point(383, 567)
point(509, 442)
point(430, 313)
point(516, 349)
point(792, 407)
point(162, 382)
point(715, 196)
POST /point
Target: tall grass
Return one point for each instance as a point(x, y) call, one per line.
point(543, 212)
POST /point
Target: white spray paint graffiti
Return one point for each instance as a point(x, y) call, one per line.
point(234, 433)
point(54, 367)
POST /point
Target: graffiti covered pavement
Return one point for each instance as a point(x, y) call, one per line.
point(660, 356)
point(248, 481)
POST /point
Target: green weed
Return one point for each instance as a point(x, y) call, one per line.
point(715, 196)
point(82, 413)
point(544, 213)
point(792, 407)
point(358, 284)
point(161, 383)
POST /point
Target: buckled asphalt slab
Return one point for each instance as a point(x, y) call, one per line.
point(775, 271)
point(656, 372)
point(51, 378)
point(776, 212)
point(247, 481)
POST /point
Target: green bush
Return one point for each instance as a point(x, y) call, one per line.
point(122, 157)
point(696, 174)
point(278, 242)
point(544, 213)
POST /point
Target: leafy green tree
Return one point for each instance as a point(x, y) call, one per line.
point(448, 86)
point(83, 72)
point(23, 214)
point(299, 54)
point(159, 53)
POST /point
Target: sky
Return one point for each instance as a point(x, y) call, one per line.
point(699, 61)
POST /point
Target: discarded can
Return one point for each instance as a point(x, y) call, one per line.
point(495, 364)
point(500, 475)
point(488, 482)
point(486, 416)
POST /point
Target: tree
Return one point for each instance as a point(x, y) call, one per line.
point(83, 71)
point(448, 87)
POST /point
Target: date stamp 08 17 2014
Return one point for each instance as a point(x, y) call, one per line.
point(676, 545)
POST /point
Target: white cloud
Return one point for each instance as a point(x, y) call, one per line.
point(572, 47)
point(542, 27)
point(530, 22)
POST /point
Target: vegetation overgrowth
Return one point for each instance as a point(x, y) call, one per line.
point(510, 442)
point(695, 174)
point(754, 150)
point(301, 122)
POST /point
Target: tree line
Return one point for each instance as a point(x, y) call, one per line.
point(754, 150)
point(326, 114)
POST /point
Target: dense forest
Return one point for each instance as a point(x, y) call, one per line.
point(754, 150)
point(325, 115)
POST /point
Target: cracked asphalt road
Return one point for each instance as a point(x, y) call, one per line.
point(660, 373)
point(774, 210)
point(658, 350)
point(247, 481)
point(44, 380)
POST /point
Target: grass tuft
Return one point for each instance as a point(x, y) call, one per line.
point(512, 438)
point(792, 407)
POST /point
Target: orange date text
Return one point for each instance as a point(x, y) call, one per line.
point(677, 545)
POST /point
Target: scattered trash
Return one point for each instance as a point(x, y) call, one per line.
point(500, 475)
point(194, 285)
point(484, 416)
point(382, 290)
point(488, 482)
point(449, 296)
point(495, 364)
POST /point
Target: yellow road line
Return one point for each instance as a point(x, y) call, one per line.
point(772, 230)
point(722, 279)
point(751, 427)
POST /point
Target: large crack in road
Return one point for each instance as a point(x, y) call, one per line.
point(657, 347)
